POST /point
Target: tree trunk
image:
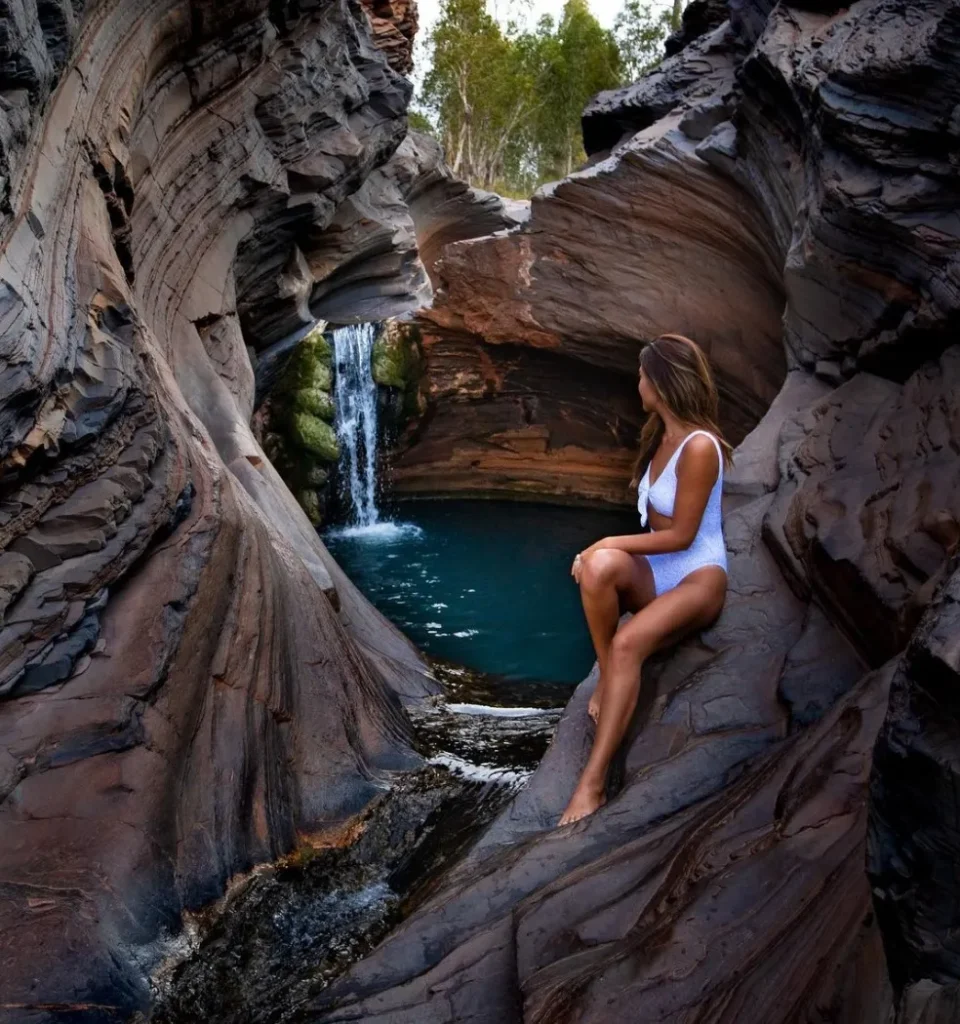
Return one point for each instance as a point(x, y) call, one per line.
point(458, 159)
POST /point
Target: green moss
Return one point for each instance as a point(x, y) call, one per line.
point(389, 364)
point(300, 441)
point(313, 435)
point(310, 365)
point(319, 375)
point(310, 503)
point(396, 357)
point(313, 400)
point(397, 362)
point(315, 476)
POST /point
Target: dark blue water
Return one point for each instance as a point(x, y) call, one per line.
point(485, 584)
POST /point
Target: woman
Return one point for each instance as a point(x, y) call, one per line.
point(674, 577)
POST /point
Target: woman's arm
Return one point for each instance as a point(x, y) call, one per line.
point(697, 470)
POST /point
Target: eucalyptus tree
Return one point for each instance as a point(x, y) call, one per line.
point(506, 103)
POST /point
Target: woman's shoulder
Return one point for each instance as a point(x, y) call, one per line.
point(700, 440)
point(702, 449)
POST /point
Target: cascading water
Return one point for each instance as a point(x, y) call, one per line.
point(356, 420)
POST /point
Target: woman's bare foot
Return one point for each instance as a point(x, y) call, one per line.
point(585, 800)
point(596, 699)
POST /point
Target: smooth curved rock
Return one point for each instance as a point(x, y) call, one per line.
point(179, 697)
point(530, 327)
point(376, 258)
point(728, 837)
point(725, 879)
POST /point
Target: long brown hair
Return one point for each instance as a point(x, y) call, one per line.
point(679, 372)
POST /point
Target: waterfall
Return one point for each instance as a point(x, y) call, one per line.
point(356, 420)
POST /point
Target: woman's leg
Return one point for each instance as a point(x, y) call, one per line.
point(611, 581)
point(692, 604)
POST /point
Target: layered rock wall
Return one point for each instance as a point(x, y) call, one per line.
point(180, 697)
point(781, 837)
point(530, 326)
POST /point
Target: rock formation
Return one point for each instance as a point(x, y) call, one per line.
point(374, 258)
point(178, 699)
point(189, 685)
point(298, 423)
point(781, 841)
point(530, 326)
point(394, 24)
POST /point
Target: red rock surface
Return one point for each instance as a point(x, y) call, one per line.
point(647, 241)
point(394, 24)
point(725, 878)
point(188, 683)
point(178, 698)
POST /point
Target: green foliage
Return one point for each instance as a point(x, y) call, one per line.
point(580, 59)
point(507, 103)
point(419, 122)
point(641, 33)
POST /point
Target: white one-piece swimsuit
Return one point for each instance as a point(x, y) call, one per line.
point(708, 547)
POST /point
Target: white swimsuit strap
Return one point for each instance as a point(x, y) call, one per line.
point(716, 444)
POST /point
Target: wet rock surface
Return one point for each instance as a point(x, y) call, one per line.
point(189, 685)
point(283, 934)
point(735, 825)
point(286, 932)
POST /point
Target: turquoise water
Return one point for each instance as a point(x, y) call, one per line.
point(485, 584)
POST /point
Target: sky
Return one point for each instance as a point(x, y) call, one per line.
point(604, 10)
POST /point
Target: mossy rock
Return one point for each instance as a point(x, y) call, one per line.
point(315, 476)
point(314, 435)
point(396, 357)
point(310, 365)
point(318, 375)
point(315, 400)
point(310, 503)
point(317, 346)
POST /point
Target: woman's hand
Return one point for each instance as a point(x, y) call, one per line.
point(576, 570)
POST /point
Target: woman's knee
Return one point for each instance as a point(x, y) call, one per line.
point(602, 569)
point(632, 645)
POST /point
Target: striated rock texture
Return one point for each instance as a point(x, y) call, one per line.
point(725, 879)
point(533, 324)
point(781, 838)
point(188, 683)
point(394, 24)
point(529, 327)
point(375, 258)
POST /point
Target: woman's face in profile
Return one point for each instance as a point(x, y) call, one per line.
point(648, 397)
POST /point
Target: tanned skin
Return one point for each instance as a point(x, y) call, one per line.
point(614, 577)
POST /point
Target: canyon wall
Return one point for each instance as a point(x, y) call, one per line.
point(781, 838)
point(188, 684)
point(531, 343)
